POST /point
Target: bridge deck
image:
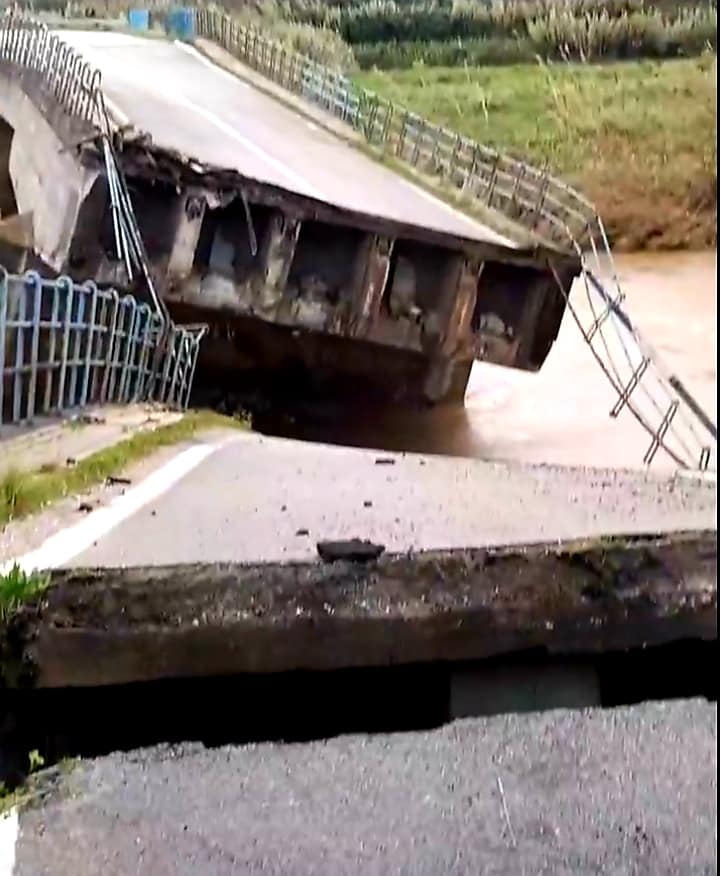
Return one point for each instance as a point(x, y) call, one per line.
point(186, 103)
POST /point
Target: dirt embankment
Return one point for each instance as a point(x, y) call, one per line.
point(639, 219)
point(636, 137)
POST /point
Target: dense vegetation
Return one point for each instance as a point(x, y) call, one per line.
point(396, 33)
point(638, 138)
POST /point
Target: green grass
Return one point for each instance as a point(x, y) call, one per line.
point(637, 137)
point(24, 492)
point(17, 587)
point(36, 782)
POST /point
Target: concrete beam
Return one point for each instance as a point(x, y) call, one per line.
point(459, 605)
point(449, 343)
point(372, 267)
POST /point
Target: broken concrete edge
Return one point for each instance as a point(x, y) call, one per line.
point(95, 627)
point(453, 198)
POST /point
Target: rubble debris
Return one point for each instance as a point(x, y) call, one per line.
point(352, 550)
point(115, 480)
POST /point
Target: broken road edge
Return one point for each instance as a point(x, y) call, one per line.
point(93, 627)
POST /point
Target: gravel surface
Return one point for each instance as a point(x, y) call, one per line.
point(626, 791)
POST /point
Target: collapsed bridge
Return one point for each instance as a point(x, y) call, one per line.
point(187, 187)
point(285, 240)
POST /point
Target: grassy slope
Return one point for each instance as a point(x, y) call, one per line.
point(637, 137)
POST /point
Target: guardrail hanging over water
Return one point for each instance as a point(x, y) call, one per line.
point(491, 183)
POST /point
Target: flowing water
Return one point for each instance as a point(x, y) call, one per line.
point(561, 414)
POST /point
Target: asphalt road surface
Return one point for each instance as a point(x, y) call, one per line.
point(270, 499)
point(186, 103)
point(565, 793)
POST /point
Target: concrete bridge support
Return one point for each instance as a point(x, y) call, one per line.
point(40, 172)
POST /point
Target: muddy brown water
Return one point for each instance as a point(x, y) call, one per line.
point(561, 414)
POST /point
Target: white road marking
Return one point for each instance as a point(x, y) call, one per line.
point(167, 90)
point(63, 545)
point(9, 830)
point(305, 186)
point(191, 50)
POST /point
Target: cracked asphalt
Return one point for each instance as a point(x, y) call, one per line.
point(625, 792)
point(258, 498)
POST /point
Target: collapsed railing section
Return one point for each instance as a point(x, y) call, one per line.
point(491, 183)
point(65, 346)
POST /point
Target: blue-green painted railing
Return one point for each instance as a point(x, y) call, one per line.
point(65, 345)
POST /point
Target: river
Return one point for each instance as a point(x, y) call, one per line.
point(560, 415)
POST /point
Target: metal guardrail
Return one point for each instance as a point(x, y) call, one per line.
point(64, 346)
point(33, 50)
point(532, 198)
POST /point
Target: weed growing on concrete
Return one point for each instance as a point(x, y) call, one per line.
point(13, 494)
point(22, 493)
point(10, 797)
point(18, 586)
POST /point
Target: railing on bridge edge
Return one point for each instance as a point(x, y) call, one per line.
point(532, 198)
point(29, 47)
point(65, 345)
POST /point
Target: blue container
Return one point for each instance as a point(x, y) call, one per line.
point(180, 23)
point(139, 19)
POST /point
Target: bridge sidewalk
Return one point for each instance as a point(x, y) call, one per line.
point(62, 441)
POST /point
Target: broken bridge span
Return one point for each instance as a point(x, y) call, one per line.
point(298, 250)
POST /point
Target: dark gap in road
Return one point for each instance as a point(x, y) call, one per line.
point(302, 706)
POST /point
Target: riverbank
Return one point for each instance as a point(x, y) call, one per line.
point(638, 138)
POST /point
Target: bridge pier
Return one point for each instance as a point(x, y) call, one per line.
point(189, 215)
point(43, 170)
